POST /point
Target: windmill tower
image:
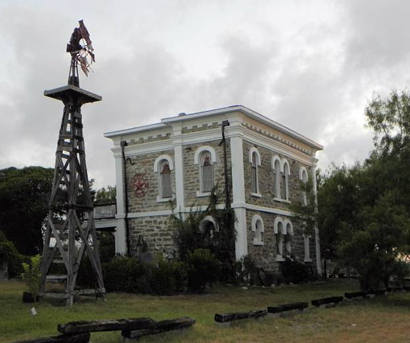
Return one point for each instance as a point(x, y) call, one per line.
point(70, 229)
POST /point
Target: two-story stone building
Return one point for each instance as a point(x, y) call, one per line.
point(181, 159)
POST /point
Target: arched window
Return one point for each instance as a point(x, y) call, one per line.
point(255, 161)
point(165, 180)
point(276, 176)
point(207, 172)
point(280, 231)
point(163, 166)
point(303, 177)
point(205, 157)
point(258, 229)
point(289, 236)
point(208, 226)
point(285, 179)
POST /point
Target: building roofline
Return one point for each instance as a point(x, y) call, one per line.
point(234, 108)
point(136, 129)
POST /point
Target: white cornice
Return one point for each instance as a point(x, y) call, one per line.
point(225, 110)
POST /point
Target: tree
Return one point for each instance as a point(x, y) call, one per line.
point(24, 195)
point(105, 196)
point(364, 210)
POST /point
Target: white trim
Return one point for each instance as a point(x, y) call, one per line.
point(254, 150)
point(250, 113)
point(275, 226)
point(137, 129)
point(302, 170)
point(161, 158)
point(274, 159)
point(148, 214)
point(264, 209)
point(209, 219)
point(161, 199)
point(289, 224)
point(256, 195)
point(200, 194)
point(255, 219)
point(241, 242)
point(283, 163)
point(205, 148)
point(282, 200)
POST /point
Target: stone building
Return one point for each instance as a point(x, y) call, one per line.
point(181, 159)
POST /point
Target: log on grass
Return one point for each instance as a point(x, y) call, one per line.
point(159, 327)
point(327, 301)
point(352, 295)
point(376, 292)
point(288, 307)
point(106, 325)
point(79, 338)
point(229, 317)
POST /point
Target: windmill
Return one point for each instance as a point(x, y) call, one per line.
point(70, 229)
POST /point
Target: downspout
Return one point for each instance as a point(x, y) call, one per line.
point(124, 175)
point(227, 198)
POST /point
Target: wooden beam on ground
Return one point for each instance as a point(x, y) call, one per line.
point(229, 317)
point(79, 338)
point(159, 327)
point(106, 325)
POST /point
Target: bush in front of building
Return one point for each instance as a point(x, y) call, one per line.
point(168, 277)
point(296, 272)
point(203, 269)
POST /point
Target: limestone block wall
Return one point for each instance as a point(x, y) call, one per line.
point(156, 231)
point(266, 179)
point(192, 172)
point(265, 255)
point(144, 164)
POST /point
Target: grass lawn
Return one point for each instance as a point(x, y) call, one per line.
point(385, 319)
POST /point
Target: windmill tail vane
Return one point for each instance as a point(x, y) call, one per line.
point(81, 48)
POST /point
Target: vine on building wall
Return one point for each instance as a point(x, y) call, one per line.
point(211, 229)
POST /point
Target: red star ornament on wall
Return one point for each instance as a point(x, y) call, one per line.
point(140, 185)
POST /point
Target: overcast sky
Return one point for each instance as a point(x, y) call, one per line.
point(311, 65)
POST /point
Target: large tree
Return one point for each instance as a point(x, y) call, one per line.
point(364, 210)
point(24, 195)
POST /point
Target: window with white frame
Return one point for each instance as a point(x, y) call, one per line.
point(303, 177)
point(165, 180)
point(283, 230)
point(276, 176)
point(288, 236)
point(207, 172)
point(279, 231)
point(257, 229)
point(205, 158)
point(285, 179)
point(255, 161)
point(163, 166)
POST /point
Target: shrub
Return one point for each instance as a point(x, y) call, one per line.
point(127, 274)
point(14, 259)
point(168, 277)
point(203, 268)
point(32, 275)
point(296, 272)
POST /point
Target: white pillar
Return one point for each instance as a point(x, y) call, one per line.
point(317, 239)
point(120, 232)
point(238, 193)
point(179, 169)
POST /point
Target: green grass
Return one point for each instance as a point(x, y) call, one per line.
point(384, 319)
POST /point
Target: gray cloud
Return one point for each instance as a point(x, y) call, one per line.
point(311, 68)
